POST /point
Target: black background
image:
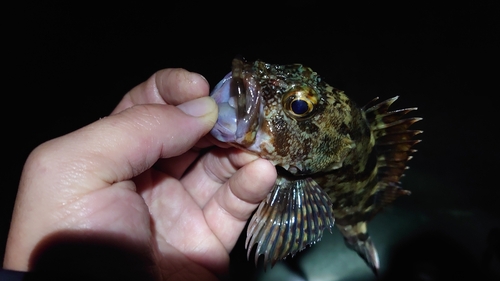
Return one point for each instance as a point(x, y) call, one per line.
point(66, 66)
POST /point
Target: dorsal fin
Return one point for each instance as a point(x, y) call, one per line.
point(393, 144)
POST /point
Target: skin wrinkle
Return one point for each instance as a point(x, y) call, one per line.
point(230, 196)
point(41, 161)
point(192, 251)
point(88, 158)
point(198, 252)
point(209, 170)
point(186, 77)
point(214, 165)
point(157, 203)
point(217, 227)
point(85, 208)
point(146, 124)
point(183, 82)
point(200, 248)
point(152, 91)
point(146, 142)
point(155, 91)
point(66, 210)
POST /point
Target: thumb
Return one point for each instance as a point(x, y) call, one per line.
point(204, 107)
point(151, 132)
point(121, 146)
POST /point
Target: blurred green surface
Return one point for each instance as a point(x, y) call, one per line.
point(431, 235)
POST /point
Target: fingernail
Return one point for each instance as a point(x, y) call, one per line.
point(198, 107)
point(203, 77)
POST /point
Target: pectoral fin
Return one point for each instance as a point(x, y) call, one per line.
point(293, 216)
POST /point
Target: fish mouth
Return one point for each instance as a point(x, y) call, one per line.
point(238, 97)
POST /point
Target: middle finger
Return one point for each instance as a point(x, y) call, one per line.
point(213, 170)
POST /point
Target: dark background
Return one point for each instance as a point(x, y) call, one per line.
point(66, 66)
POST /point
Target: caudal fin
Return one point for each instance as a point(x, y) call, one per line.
point(366, 250)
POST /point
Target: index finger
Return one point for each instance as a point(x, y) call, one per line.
point(172, 86)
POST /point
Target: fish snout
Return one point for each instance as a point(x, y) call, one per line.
point(238, 100)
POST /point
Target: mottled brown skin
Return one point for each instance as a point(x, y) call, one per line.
point(315, 142)
point(335, 133)
point(355, 155)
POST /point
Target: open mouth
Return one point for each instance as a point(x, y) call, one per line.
point(238, 97)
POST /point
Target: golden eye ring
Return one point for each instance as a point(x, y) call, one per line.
point(299, 102)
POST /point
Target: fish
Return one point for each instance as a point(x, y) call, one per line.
point(338, 165)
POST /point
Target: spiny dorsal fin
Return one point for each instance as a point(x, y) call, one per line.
point(292, 217)
point(393, 143)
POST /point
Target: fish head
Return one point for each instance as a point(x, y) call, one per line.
point(284, 113)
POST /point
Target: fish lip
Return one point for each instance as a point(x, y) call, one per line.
point(238, 97)
point(225, 127)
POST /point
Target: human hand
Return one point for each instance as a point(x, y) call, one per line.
point(142, 180)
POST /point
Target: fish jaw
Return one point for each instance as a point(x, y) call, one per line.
point(226, 125)
point(238, 97)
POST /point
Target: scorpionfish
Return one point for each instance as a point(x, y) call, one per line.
point(337, 163)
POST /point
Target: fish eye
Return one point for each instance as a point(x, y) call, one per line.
point(299, 102)
point(299, 107)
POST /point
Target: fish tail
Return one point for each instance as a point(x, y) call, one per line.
point(393, 142)
point(357, 238)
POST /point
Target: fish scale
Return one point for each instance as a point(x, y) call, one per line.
point(338, 164)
